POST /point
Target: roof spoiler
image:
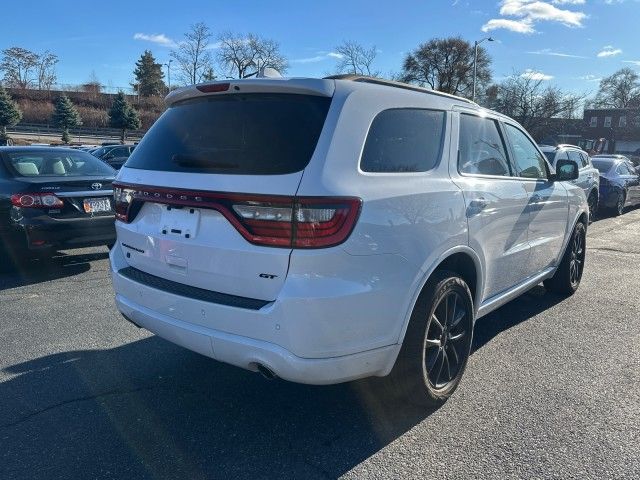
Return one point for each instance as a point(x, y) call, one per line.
point(391, 83)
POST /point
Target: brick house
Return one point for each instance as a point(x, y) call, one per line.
point(619, 126)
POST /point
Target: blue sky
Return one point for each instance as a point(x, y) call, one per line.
point(572, 43)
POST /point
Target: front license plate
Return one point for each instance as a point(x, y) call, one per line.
point(95, 205)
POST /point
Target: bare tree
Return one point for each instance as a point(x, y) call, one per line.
point(446, 64)
point(17, 66)
point(620, 90)
point(193, 54)
point(46, 70)
point(356, 59)
point(92, 85)
point(532, 102)
point(243, 56)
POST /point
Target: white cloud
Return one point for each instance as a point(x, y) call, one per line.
point(551, 53)
point(633, 62)
point(609, 51)
point(321, 56)
point(530, 12)
point(518, 26)
point(158, 38)
point(535, 75)
point(317, 58)
point(590, 78)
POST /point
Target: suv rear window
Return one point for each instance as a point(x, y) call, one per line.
point(403, 140)
point(603, 166)
point(242, 134)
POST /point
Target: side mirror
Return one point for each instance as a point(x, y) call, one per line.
point(566, 170)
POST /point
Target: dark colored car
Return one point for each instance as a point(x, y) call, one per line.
point(114, 155)
point(53, 198)
point(619, 182)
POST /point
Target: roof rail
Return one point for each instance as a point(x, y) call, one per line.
point(391, 83)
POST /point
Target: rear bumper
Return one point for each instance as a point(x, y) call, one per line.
point(308, 335)
point(46, 232)
point(248, 353)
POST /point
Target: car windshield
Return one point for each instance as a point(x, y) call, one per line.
point(56, 163)
point(602, 165)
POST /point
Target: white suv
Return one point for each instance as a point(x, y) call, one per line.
point(324, 230)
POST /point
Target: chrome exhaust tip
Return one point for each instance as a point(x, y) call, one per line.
point(266, 372)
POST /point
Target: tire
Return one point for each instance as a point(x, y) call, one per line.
point(567, 278)
point(619, 208)
point(419, 375)
point(593, 206)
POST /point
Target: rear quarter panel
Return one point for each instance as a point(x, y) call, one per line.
point(414, 217)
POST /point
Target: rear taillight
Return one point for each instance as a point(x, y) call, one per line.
point(277, 221)
point(36, 200)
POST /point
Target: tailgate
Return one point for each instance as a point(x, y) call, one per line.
point(200, 247)
point(206, 197)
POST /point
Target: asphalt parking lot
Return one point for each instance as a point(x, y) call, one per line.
point(552, 390)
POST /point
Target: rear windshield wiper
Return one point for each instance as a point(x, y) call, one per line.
point(201, 161)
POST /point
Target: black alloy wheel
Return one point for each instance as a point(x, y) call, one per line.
point(446, 340)
point(576, 262)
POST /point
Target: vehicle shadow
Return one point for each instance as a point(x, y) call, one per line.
point(61, 265)
point(149, 409)
point(532, 303)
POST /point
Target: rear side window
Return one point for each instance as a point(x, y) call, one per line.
point(481, 149)
point(243, 134)
point(55, 163)
point(403, 140)
point(623, 169)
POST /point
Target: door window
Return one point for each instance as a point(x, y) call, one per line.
point(529, 162)
point(576, 157)
point(481, 148)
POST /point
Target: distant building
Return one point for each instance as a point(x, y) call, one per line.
point(619, 126)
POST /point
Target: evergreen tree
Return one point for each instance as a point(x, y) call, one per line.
point(123, 116)
point(10, 114)
point(65, 116)
point(149, 76)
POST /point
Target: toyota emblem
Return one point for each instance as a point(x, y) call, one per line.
point(96, 186)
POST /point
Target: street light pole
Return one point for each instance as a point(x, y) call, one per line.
point(475, 63)
point(168, 65)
